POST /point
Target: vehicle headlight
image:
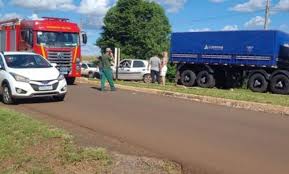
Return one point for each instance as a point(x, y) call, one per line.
point(60, 77)
point(20, 78)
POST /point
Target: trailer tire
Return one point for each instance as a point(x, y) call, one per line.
point(188, 78)
point(206, 80)
point(258, 83)
point(279, 84)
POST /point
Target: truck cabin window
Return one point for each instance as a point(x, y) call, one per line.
point(57, 39)
point(26, 61)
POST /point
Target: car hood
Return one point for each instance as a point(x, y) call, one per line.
point(37, 74)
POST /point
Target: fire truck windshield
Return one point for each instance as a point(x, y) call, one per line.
point(57, 39)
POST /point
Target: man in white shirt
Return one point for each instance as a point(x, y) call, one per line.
point(155, 65)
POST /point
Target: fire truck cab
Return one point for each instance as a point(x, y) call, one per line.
point(56, 39)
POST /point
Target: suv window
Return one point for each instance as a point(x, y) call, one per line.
point(1, 62)
point(84, 66)
point(138, 64)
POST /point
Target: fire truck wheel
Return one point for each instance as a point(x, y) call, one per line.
point(70, 80)
point(59, 98)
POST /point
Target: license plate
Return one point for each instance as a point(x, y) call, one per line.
point(45, 88)
point(64, 70)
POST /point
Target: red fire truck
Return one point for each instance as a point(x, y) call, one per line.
point(56, 39)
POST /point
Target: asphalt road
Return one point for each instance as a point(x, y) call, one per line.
point(206, 138)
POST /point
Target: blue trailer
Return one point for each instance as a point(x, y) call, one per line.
point(226, 58)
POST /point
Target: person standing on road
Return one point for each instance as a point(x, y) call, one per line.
point(99, 67)
point(155, 65)
point(106, 61)
point(164, 68)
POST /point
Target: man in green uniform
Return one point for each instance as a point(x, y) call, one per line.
point(105, 61)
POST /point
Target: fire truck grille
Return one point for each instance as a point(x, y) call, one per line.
point(62, 59)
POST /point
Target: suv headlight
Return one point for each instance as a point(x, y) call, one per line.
point(20, 78)
point(60, 77)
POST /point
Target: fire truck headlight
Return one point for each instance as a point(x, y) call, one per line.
point(60, 77)
point(20, 78)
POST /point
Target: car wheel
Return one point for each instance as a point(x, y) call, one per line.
point(59, 98)
point(147, 78)
point(280, 84)
point(258, 83)
point(6, 95)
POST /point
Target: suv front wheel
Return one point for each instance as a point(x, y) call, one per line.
point(6, 95)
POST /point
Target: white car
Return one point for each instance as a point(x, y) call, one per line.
point(133, 69)
point(28, 75)
point(89, 69)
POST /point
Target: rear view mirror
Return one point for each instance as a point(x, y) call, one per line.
point(84, 38)
point(53, 64)
point(1, 67)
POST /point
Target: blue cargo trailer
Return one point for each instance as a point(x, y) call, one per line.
point(226, 58)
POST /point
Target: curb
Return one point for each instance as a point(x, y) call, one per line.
point(252, 106)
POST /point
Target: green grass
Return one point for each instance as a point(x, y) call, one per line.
point(19, 133)
point(234, 94)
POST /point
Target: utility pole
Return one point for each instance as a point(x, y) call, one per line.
point(267, 13)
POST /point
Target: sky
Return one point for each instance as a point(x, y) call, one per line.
point(184, 15)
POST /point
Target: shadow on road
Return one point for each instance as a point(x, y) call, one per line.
point(96, 88)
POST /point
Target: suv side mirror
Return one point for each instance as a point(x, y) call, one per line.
point(84, 38)
point(1, 67)
point(53, 64)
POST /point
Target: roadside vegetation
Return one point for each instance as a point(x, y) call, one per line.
point(234, 94)
point(29, 146)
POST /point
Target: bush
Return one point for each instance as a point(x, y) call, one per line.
point(171, 74)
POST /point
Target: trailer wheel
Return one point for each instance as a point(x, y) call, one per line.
point(206, 80)
point(279, 84)
point(258, 83)
point(188, 78)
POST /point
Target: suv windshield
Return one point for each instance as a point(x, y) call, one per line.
point(26, 61)
point(57, 39)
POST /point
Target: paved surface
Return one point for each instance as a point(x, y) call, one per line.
point(206, 138)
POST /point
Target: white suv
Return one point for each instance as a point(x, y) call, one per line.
point(28, 75)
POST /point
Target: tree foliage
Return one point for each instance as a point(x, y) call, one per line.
point(139, 27)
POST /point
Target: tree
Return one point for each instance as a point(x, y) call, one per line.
point(139, 27)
